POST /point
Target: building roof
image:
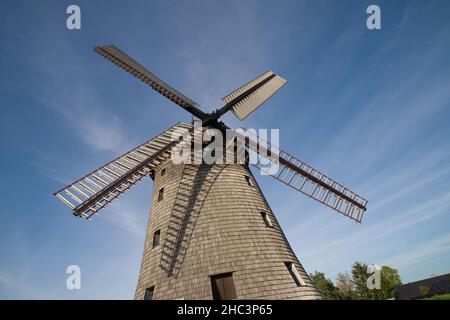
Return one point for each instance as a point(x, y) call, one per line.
point(437, 285)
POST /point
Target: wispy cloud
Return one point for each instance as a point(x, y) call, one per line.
point(87, 117)
point(22, 287)
point(127, 217)
point(128, 212)
point(225, 58)
point(377, 134)
point(416, 254)
point(70, 90)
point(396, 223)
point(404, 172)
point(407, 188)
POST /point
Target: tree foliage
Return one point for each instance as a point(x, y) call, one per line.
point(389, 281)
point(360, 276)
point(354, 286)
point(325, 286)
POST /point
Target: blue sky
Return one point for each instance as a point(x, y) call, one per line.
point(369, 108)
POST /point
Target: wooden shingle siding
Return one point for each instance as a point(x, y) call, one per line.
point(226, 236)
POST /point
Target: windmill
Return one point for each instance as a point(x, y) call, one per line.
point(211, 233)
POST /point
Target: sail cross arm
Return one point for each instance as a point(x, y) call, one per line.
point(91, 193)
point(306, 179)
point(122, 60)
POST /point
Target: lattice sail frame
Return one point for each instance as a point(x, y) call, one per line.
point(125, 62)
point(89, 194)
point(305, 179)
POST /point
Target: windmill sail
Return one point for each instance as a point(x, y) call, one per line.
point(121, 59)
point(307, 180)
point(89, 194)
point(246, 99)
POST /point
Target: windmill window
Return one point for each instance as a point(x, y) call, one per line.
point(149, 293)
point(156, 238)
point(223, 287)
point(163, 172)
point(161, 194)
point(266, 219)
point(249, 181)
point(295, 274)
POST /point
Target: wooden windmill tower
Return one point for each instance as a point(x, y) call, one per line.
point(211, 233)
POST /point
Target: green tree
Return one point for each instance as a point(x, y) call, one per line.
point(325, 286)
point(389, 281)
point(359, 277)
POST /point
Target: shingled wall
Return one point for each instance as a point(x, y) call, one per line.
point(226, 234)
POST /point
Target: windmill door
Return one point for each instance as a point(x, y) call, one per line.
point(223, 287)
